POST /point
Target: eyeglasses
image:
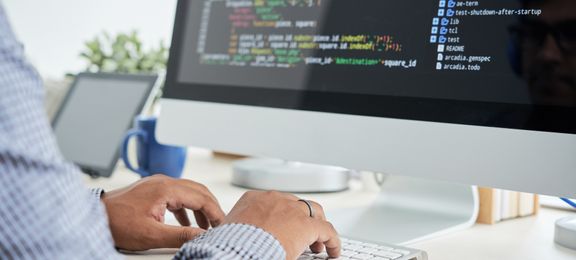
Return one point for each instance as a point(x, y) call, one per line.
point(533, 34)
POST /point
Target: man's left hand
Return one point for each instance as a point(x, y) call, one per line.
point(136, 213)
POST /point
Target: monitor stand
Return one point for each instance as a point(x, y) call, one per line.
point(294, 177)
point(565, 232)
point(408, 210)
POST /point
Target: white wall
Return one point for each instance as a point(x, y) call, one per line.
point(54, 31)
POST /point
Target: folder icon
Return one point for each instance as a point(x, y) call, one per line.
point(444, 21)
point(441, 39)
point(443, 30)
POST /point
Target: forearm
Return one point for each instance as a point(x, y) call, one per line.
point(45, 210)
point(49, 215)
point(233, 241)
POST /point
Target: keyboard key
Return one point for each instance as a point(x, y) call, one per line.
point(362, 256)
point(355, 247)
point(354, 242)
point(348, 253)
point(370, 245)
point(401, 251)
point(385, 248)
point(369, 250)
point(388, 254)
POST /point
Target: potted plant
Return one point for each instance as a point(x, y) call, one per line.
point(120, 53)
point(123, 53)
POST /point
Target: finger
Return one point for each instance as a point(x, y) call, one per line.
point(218, 216)
point(317, 247)
point(197, 186)
point(317, 209)
point(201, 220)
point(182, 216)
point(167, 236)
point(329, 237)
point(198, 199)
point(305, 209)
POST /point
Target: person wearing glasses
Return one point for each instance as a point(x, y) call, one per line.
point(546, 46)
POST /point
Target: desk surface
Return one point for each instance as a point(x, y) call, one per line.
point(525, 238)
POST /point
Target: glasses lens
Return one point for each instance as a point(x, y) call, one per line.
point(533, 35)
point(567, 36)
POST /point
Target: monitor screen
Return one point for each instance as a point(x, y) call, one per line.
point(487, 62)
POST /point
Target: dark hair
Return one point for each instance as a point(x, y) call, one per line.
point(525, 2)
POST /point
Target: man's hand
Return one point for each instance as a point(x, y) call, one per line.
point(288, 220)
point(136, 213)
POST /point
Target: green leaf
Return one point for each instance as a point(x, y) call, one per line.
point(123, 53)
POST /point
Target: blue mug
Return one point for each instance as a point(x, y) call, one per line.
point(152, 157)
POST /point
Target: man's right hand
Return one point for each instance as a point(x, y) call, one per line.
point(288, 220)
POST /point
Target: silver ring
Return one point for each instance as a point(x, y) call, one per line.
point(310, 208)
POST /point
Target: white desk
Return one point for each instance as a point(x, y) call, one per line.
point(526, 238)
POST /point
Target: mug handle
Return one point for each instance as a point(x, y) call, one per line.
point(138, 133)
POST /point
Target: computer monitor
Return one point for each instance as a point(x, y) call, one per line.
point(473, 92)
point(476, 92)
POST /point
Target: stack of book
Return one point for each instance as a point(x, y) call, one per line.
point(497, 205)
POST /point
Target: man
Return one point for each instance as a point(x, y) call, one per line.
point(46, 213)
point(543, 54)
point(547, 51)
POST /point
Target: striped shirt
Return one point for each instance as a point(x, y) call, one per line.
point(45, 211)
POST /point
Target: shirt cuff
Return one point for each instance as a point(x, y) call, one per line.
point(233, 241)
point(96, 193)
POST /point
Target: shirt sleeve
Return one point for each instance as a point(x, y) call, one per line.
point(97, 193)
point(45, 210)
point(233, 241)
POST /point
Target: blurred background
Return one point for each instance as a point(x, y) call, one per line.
point(56, 32)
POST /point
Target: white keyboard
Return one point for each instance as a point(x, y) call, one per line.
point(357, 250)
